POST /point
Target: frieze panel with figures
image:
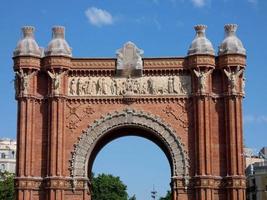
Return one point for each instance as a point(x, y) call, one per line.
point(109, 86)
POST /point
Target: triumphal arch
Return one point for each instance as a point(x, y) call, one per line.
point(70, 108)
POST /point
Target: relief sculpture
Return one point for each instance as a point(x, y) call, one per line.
point(107, 86)
point(233, 79)
point(24, 82)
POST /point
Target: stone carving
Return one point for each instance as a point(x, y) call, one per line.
point(179, 113)
point(56, 78)
point(202, 80)
point(129, 59)
point(106, 86)
point(24, 82)
point(77, 114)
point(88, 140)
point(233, 78)
point(129, 56)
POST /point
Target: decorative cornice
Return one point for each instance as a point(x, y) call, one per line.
point(225, 61)
point(54, 62)
point(26, 62)
point(201, 61)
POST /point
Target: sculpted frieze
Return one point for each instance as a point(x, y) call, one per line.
point(113, 86)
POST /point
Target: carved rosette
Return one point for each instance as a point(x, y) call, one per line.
point(87, 141)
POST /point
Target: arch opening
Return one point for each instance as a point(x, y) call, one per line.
point(128, 122)
point(139, 163)
point(123, 131)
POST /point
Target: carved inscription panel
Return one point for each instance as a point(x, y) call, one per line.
point(108, 86)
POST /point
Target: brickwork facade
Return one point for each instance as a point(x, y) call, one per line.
point(199, 130)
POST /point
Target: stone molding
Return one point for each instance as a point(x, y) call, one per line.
point(231, 60)
point(89, 138)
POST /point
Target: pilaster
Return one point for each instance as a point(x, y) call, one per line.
point(233, 83)
point(26, 69)
point(201, 67)
point(56, 68)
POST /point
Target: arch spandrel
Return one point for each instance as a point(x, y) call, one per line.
point(164, 133)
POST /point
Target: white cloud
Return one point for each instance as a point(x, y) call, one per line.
point(255, 119)
point(99, 17)
point(199, 3)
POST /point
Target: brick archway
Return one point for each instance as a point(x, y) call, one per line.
point(158, 131)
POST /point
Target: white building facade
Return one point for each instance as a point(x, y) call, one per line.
point(8, 149)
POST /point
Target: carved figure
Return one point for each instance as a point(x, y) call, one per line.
point(150, 85)
point(202, 79)
point(55, 81)
point(104, 86)
point(233, 78)
point(99, 87)
point(79, 87)
point(24, 80)
point(93, 88)
point(72, 86)
point(171, 85)
point(107, 86)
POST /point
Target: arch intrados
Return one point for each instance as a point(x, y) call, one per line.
point(123, 131)
point(146, 125)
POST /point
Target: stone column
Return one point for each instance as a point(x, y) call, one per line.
point(232, 68)
point(202, 66)
point(26, 70)
point(26, 65)
point(56, 68)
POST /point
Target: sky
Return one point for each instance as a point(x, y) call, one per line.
point(97, 28)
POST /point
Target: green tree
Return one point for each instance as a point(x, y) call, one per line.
point(167, 197)
point(108, 187)
point(7, 191)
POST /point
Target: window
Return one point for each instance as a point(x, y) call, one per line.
point(13, 154)
point(3, 167)
point(3, 155)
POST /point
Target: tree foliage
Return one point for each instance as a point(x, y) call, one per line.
point(167, 197)
point(108, 187)
point(7, 191)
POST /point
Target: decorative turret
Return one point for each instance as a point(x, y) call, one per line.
point(58, 46)
point(200, 45)
point(27, 46)
point(231, 44)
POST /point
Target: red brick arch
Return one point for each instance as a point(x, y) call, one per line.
point(103, 131)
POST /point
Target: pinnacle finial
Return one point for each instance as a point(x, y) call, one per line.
point(27, 45)
point(58, 32)
point(58, 46)
point(200, 44)
point(28, 31)
point(230, 29)
point(200, 29)
point(231, 43)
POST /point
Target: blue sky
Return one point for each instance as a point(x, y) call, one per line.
point(161, 28)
